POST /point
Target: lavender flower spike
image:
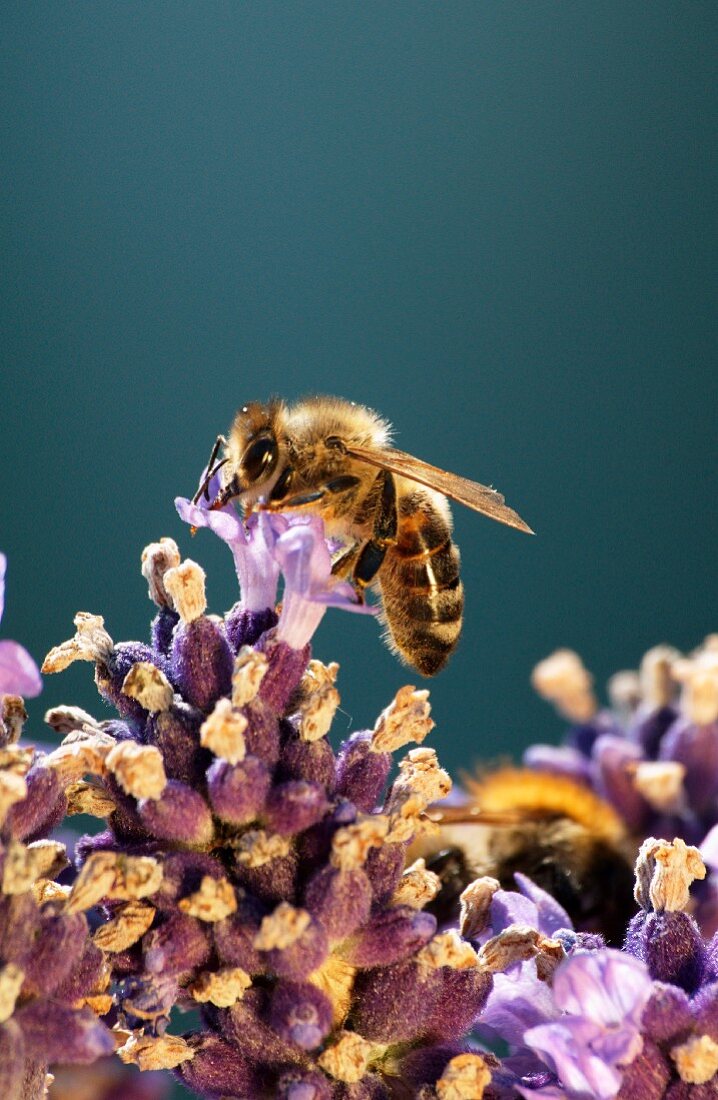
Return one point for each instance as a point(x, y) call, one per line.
point(19, 675)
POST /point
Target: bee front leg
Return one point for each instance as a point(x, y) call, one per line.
point(372, 554)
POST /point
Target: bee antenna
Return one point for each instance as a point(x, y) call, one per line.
point(204, 484)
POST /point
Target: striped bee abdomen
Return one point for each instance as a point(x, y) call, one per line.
point(420, 584)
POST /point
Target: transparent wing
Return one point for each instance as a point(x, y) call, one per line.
point(479, 497)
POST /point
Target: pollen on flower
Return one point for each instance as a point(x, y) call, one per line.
point(64, 719)
point(139, 769)
point(448, 949)
point(11, 979)
point(406, 719)
point(664, 873)
point(74, 759)
point(214, 900)
point(475, 906)
point(347, 1059)
point(126, 927)
point(185, 585)
point(420, 782)
point(352, 843)
point(161, 1052)
point(90, 643)
point(661, 784)
point(563, 680)
point(22, 865)
point(13, 717)
point(149, 686)
point(114, 876)
point(282, 928)
point(223, 987)
point(465, 1078)
point(417, 886)
point(250, 667)
point(13, 788)
point(44, 890)
point(698, 676)
point(513, 945)
point(696, 1060)
point(319, 700)
point(257, 847)
point(89, 797)
point(157, 559)
point(656, 678)
point(223, 732)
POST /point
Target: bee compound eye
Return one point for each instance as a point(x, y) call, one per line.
point(259, 459)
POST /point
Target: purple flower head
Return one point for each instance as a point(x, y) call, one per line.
point(602, 995)
point(19, 675)
point(303, 556)
point(251, 544)
point(270, 543)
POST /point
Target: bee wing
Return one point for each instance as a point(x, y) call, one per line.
point(478, 497)
point(472, 815)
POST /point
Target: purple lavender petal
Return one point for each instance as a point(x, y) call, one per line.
point(566, 1046)
point(559, 759)
point(551, 915)
point(251, 545)
point(607, 987)
point(613, 759)
point(696, 747)
point(518, 1001)
point(392, 1003)
point(201, 662)
point(508, 907)
point(19, 675)
point(341, 900)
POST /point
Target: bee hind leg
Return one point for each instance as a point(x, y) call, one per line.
point(371, 555)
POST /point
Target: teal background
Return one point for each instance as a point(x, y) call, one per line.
point(494, 222)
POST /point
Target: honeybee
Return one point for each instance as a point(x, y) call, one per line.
point(388, 509)
point(553, 829)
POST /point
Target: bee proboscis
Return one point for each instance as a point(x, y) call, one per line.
point(387, 508)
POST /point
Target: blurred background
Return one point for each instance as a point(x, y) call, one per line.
point(494, 223)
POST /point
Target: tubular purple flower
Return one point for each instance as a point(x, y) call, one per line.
point(602, 995)
point(251, 544)
point(306, 564)
point(19, 675)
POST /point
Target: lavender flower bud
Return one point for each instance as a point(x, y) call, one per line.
point(217, 1068)
point(293, 806)
point(310, 760)
point(393, 1003)
point(237, 792)
point(300, 1013)
point(201, 662)
point(361, 771)
point(180, 943)
point(293, 943)
point(180, 814)
point(340, 900)
point(245, 627)
point(389, 937)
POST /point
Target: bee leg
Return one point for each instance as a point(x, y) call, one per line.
point(212, 467)
point(338, 485)
point(344, 561)
point(373, 552)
